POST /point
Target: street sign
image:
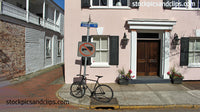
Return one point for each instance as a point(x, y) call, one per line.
point(86, 24)
point(86, 49)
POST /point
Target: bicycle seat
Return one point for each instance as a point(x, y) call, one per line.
point(99, 76)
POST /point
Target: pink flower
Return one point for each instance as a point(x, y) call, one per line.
point(132, 76)
point(168, 73)
point(130, 71)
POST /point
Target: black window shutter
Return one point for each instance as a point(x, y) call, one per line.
point(114, 50)
point(167, 4)
point(84, 39)
point(184, 51)
point(134, 3)
point(85, 3)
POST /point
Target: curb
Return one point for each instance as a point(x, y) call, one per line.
point(160, 107)
point(121, 107)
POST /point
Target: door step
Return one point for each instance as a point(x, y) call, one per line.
point(149, 79)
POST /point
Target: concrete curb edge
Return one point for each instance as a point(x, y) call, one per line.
point(160, 106)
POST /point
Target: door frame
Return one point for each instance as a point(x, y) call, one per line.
point(164, 37)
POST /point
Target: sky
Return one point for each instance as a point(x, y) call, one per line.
point(60, 3)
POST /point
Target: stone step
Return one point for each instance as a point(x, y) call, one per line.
point(149, 79)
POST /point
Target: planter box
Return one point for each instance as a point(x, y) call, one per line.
point(123, 82)
point(177, 81)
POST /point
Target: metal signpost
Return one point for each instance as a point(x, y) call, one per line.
point(90, 48)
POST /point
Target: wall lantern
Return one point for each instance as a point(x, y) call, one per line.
point(175, 41)
point(124, 41)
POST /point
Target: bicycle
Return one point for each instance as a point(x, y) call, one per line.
point(100, 92)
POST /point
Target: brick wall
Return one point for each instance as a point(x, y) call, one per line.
point(12, 50)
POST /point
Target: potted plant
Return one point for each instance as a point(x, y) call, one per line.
point(123, 78)
point(176, 77)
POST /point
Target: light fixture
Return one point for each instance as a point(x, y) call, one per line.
point(175, 41)
point(124, 41)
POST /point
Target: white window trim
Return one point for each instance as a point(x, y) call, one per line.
point(193, 65)
point(109, 6)
point(100, 64)
point(50, 47)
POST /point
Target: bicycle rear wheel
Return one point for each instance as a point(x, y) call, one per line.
point(77, 90)
point(103, 93)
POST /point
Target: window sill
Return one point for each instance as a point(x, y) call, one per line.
point(194, 66)
point(100, 65)
point(186, 9)
point(114, 7)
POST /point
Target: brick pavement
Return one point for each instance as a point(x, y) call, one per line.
point(36, 88)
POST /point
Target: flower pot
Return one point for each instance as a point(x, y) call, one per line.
point(177, 81)
point(123, 81)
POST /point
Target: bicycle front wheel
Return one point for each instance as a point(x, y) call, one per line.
point(103, 93)
point(77, 90)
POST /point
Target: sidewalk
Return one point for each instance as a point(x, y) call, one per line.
point(42, 85)
point(142, 96)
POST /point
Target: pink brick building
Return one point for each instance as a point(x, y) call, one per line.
point(151, 28)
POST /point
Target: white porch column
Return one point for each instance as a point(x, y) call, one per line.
point(55, 19)
point(44, 11)
point(166, 42)
point(53, 50)
point(1, 6)
point(133, 53)
point(27, 10)
point(62, 53)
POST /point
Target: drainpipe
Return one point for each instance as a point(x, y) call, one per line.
point(44, 4)
point(27, 10)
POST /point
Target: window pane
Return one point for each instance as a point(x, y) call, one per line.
point(97, 57)
point(191, 59)
point(124, 2)
point(95, 3)
point(176, 3)
point(197, 57)
point(59, 48)
point(199, 3)
point(48, 47)
point(114, 2)
point(104, 43)
point(96, 40)
point(191, 45)
point(183, 3)
point(103, 2)
point(194, 3)
point(197, 44)
point(104, 56)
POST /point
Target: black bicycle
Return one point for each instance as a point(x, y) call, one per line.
point(101, 92)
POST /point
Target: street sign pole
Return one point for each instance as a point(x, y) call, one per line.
point(88, 33)
point(88, 25)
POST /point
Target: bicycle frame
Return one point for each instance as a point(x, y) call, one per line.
point(83, 80)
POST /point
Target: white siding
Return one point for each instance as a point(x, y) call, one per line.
point(34, 50)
